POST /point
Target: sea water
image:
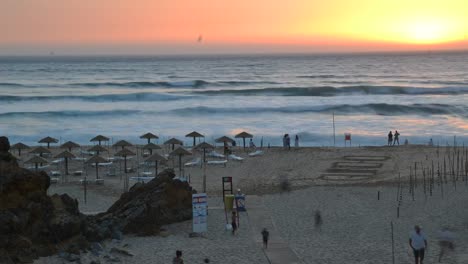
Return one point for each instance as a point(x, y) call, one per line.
point(422, 95)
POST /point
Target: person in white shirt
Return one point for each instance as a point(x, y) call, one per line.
point(418, 243)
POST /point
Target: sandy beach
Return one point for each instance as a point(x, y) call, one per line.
point(355, 189)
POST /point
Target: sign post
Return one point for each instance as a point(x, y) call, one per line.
point(200, 212)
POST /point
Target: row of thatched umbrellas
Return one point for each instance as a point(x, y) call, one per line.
point(100, 138)
point(124, 152)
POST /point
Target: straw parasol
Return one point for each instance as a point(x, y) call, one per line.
point(69, 145)
point(224, 139)
point(99, 139)
point(65, 155)
point(149, 136)
point(36, 160)
point(96, 159)
point(243, 135)
point(150, 146)
point(194, 135)
point(19, 146)
point(40, 151)
point(173, 141)
point(48, 140)
point(155, 157)
point(204, 146)
point(180, 151)
point(122, 143)
point(97, 149)
point(125, 153)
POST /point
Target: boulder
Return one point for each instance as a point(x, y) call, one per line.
point(32, 224)
point(145, 208)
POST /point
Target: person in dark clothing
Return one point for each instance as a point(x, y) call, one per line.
point(178, 258)
point(265, 236)
point(396, 138)
point(390, 138)
point(234, 223)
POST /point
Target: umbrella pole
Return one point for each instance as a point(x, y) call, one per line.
point(243, 139)
point(66, 166)
point(194, 141)
point(180, 165)
point(19, 152)
point(204, 178)
point(151, 151)
point(126, 176)
point(36, 167)
point(156, 168)
point(97, 171)
point(84, 184)
point(149, 140)
point(48, 145)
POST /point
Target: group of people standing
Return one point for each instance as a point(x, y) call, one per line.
point(393, 138)
point(287, 141)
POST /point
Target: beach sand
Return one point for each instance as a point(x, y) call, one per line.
point(356, 226)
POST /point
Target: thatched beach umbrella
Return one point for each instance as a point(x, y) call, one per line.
point(99, 139)
point(243, 135)
point(122, 143)
point(96, 159)
point(125, 153)
point(19, 146)
point(173, 141)
point(150, 146)
point(40, 150)
point(194, 135)
point(65, 155)
point(36, 160)
point(180, 151)
point(48, 140)
point(224, 139)
point(155, 158)
point(204, 146)
point(149, 136)
point(69, 145)
point(97, 149)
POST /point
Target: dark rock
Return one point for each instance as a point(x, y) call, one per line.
point(145, 208)
point(32, 224)
point(4, 144)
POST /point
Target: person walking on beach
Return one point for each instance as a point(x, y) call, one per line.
point(284, 140)
point(178, 258)
point(390, 138)
point(318, 219)
point(234, 223)
point(418, 243)
point(446, 242)
point(396, 138)
point(288, 141)
point(265, 236)
point(296, 141)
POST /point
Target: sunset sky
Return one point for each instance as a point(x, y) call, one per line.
point(241, 26)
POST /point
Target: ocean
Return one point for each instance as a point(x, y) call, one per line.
point(422, 95)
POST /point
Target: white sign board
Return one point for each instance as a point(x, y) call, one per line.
point(200, 214)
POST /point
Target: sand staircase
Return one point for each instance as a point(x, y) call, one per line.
point(354, 168)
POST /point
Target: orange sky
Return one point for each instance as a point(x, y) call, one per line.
point(172, 26)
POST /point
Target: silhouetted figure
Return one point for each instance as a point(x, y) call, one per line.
point(178, 258)
point(318, 219)
point(390, 138)
point(296, 141)
point(284, 184)
point(234, 223)
point(396, 138)
point(265, 237)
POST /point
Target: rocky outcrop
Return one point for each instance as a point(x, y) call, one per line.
point(33, 224)
point(145, 208)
